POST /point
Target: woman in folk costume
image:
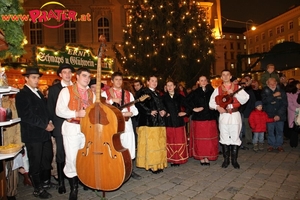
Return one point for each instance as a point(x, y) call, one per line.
point(204, 132)
point(177, 152)
point(151, 147)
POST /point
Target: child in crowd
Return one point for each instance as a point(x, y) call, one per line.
point(258, 120)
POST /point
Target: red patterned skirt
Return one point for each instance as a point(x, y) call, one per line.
point(177, 151)
point(204, 140)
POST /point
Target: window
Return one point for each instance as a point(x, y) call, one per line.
point(271, 44)
point(291, 25)
point(226, 65)
point(256, 38)
point(225, 55)
point(232, 65)
point(70, 32)
point(103, 28)
point(281, 28)
point(231, 55)
point(237, 37)
point(291, 38)
point(238, 46)
point(250, 40)
point(230, 36)
point(277, 30)
point(231, 45)
point(263, 36)
point(36, 33)
point(270, 33)
point(257, 49)
point(263, 48)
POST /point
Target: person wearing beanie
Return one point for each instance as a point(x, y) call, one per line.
point(258, 120)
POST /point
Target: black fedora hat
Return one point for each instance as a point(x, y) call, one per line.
point(65, 66)
point(32, 70)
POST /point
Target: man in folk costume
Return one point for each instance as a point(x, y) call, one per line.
point(35, 131)
point(117, 96)
point(230, 122)
point(65, 72)
point(71, 104)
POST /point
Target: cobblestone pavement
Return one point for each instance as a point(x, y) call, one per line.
point(262, 176)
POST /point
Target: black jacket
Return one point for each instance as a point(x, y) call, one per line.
point(150, 104)
point(51, 103)
point(200, 98)
point(34, 116)
point(173, 107)
point(274, 105)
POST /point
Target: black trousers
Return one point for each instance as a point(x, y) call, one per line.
point(40, 156)
point(60, 150)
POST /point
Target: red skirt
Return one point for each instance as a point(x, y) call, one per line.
point(177, 151)
point(204, 140)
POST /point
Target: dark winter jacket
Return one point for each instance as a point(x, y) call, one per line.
point(258, 120)
point(200, 98)
point(246, 108)
point(150, 104)
point(274, 105)
point(34, 116)
point(173, 107)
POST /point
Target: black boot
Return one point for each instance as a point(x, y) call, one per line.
point(38, 190)
point(61, 178)
point(226, 154)
point(234, 156)
point(74, 188)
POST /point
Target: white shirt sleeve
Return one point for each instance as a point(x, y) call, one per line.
point(212, 101)
point(133, 109)
point(62, 109)
point(242, 96)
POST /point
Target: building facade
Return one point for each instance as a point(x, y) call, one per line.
point(282, 28)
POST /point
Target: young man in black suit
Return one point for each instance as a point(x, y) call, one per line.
point(35, 131)
point(65, 73)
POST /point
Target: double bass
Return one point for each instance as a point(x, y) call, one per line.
point(103, 164)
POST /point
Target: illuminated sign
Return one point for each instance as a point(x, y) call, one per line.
point(74, 56)
point(52, 15)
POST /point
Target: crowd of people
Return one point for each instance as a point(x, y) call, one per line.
point(166, 128)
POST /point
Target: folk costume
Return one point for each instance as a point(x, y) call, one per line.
point(70, 100)
point(177, 152)
point(152, 153)
point(127, 137)
point(203, 130)
point(32, 109)
point(230, 123)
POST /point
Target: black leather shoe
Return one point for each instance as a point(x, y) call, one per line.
point(175, 165)
point(42, 194)
point(157, 171)
point(135, 176)
point(11, 198)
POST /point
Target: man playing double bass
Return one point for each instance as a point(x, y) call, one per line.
point(71, 104)
point(117, 96)
point(230, 122)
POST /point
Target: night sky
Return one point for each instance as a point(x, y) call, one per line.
point(257, 10)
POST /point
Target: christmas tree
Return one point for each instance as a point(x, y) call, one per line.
point(168, 39)
point(13, 32)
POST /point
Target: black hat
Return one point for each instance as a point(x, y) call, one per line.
point(65, 66)
point(258, 103)
point(93, 81)
point(32, 70)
